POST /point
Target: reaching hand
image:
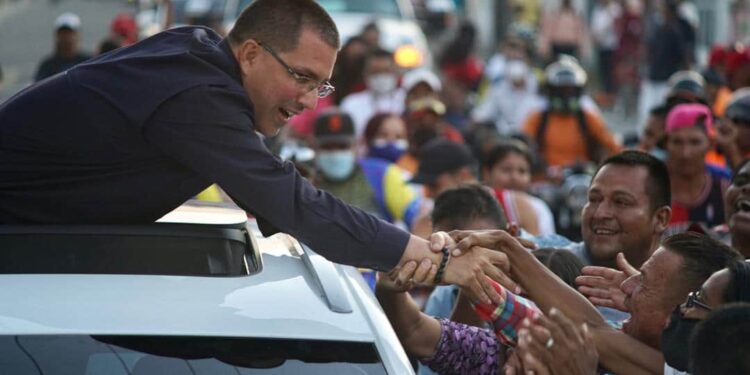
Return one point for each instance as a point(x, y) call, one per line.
point(554, 345)
point(470, 272)
point(491, 239)
point(601, 285)
point(402, 279)
point(513, 363)
point(439, 240)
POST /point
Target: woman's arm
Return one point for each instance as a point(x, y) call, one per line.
point(444, 346)
point(419, 333)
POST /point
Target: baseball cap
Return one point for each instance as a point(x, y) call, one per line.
point(737, 58)
point(68, 20)
point(334, 127)
point(417, 76)
point(124, 26)
point(428, 104)
point(439, 156)
point(687, 82)
point(689, 115)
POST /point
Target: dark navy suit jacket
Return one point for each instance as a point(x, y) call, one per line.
point(131, 135)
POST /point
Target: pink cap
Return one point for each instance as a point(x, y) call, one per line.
point(689, 115)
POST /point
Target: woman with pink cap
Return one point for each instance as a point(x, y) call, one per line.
point(697, 188)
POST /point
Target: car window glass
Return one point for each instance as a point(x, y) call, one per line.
point(151, 355)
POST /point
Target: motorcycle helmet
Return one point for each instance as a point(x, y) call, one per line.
point(738, 109)
point(564, 81)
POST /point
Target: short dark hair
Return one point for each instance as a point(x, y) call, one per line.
point(702, 256)
point(657, 184)
point(378, 53)
point(374, 124)
point(738, 287)
point(740, 166)
point(264, 19)
point(563, 263)
point(660, 111)
point(458, 206)
point(501, 150)
point(719, 344)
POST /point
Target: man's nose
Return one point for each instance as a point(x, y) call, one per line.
point(603, 210)
point(309, 100)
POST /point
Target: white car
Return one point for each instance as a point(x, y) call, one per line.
point(175, 298)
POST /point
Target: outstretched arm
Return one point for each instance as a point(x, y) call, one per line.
point(445, 346)
point(469, 270)
point(618, 352)
point(418, 332)
point(542, 286)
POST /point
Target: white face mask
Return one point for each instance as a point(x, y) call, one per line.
point(401, 144)
point(382, 83)
point(516, 70)
point(336, 165)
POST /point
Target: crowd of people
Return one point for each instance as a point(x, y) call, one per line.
point(462, 148)
point(657, 284)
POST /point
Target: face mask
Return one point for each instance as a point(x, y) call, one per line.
point(390, 151)
point(336, 165)
point(382, 83)
point(675, 338)
point(516, 70)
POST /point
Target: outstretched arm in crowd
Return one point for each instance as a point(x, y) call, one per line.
point(618, 352)
point(444, 346)
point(469, 269)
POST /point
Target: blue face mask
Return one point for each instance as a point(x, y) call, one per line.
point(390, 151)
point(336, 165)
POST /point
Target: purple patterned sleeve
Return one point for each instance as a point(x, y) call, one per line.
point(465, 349)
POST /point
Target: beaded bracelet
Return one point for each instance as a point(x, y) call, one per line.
point(444, 262)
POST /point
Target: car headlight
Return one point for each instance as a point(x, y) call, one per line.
point(408, 56)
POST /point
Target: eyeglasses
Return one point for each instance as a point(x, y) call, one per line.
point(693, 300)
point(323, 88)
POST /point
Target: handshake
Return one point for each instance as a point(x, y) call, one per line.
point(467, 259)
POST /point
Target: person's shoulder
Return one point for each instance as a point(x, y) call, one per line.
point(198, 33)
point(539, 204)
point(533, 119)
point(718, 172)
point(83, 56)
point(48, 59)
point(355, 99)
point(556, 241)
point(441, 300)
point(47, 67)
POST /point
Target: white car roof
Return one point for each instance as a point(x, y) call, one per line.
point(284, 300)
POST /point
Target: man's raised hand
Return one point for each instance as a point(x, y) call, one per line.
point(601, 285)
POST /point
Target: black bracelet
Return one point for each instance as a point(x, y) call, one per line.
point(441, 269)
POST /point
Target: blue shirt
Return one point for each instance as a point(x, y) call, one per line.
point(130, 135)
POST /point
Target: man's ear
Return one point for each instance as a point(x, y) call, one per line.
point(246, 55)
point(661, 219)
